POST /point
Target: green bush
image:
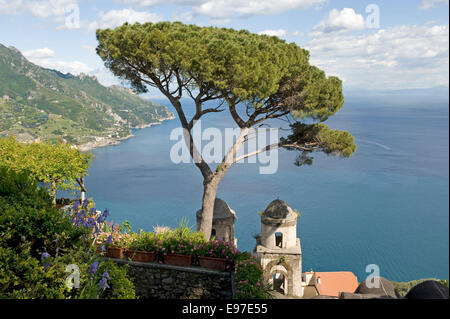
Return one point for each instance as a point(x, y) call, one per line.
point(17, 187)
point(26, 214)
point(38, 242)
point(121, 287)
point(249, 280)
point(24, 276)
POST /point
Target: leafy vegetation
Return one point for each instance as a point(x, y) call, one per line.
point(249, 279)
point(59, 166)
point(38, 242)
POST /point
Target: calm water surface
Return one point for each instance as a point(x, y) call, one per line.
point(387, 205)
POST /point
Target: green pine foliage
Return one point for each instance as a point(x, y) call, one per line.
point(265, 75)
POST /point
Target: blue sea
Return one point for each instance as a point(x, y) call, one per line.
point(386, 205)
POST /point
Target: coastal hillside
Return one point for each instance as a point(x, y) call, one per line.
point(43, 104)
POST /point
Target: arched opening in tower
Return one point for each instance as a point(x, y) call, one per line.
point(279, 239)
point(279, 283)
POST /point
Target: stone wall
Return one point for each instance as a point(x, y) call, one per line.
point(161, 281)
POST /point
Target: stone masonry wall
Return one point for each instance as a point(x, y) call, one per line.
point(161, 281)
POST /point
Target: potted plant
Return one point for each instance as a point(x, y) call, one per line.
point(177, 246)
point(216, 254)
point(114, 242)
point(142, 248)
point(177, 252)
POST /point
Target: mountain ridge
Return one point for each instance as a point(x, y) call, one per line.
point(45, 104)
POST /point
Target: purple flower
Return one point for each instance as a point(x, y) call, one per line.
point(109, 240)
point(45, 255)
point(93, 268)
point(106, 275)
point(103, 283)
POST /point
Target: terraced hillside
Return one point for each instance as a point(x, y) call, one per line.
point(38, 103)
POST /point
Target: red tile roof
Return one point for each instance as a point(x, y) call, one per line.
point(332, 283)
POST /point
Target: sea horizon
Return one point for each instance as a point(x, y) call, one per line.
point(386, 205)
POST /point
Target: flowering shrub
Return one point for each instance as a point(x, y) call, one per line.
point(107, 280)
point(217, 249)
point(86, 215)
point(173, 245)
point(248, 276)
point(143, 242)
point(113, 238)
point(38, 241)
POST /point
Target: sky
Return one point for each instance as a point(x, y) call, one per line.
point(376, 44)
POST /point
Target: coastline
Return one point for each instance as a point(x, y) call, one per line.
point(106, 141)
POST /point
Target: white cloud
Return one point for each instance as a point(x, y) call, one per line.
point(105, 76)
point(10, 6)
point(58, 10)
point(278, 33)
point(217, 10)
point(397, 57)
point(429, 4)
point(39, 53)
point(225, 9)
point(44, 57)
point(50, 8)
point(114, 18)
point(281, 33)
point(150, 3)
point(185, 16)
point(73, 67)
point(89, 48)
point(340, 21)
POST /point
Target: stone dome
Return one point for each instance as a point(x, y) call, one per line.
point(278, 209)
point(221, 210)
point(386, 288)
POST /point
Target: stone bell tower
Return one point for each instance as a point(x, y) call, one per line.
point(279, 251)
point(223, 221)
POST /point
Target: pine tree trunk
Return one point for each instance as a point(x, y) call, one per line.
point(209, 196)
point(211, 184)
point(80, 182)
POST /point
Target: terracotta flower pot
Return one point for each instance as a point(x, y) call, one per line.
point(114, 252)
point(178, 260)
point(142, 256)
point(212, 263)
